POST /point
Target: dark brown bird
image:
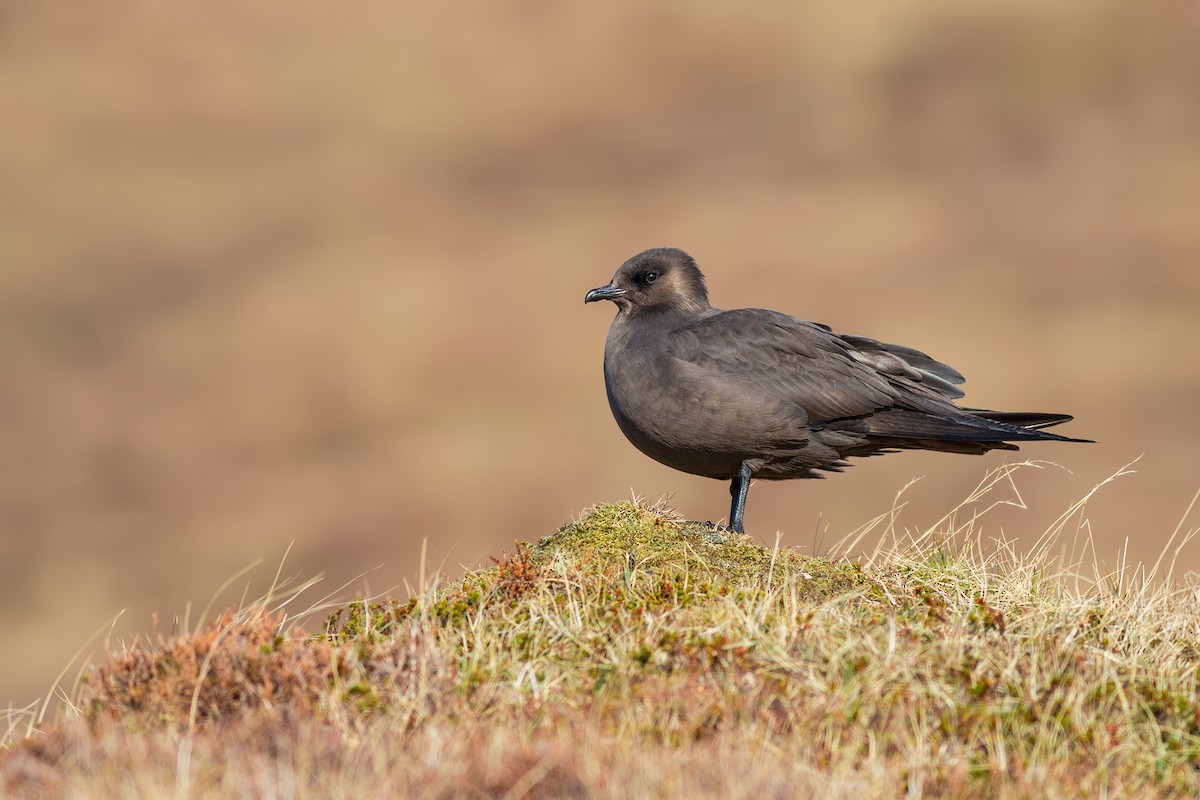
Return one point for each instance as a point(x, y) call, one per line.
point(751, 393)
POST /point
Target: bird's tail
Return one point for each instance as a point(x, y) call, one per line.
point(968, 431)
point(1027, 420)
point(1021, 419)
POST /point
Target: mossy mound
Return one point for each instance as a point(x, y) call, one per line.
point(624, 555)
point(938, 666)
point(624, 538)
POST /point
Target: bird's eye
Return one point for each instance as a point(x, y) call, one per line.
point(650, 277)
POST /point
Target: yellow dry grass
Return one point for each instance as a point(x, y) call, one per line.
point(634, 654)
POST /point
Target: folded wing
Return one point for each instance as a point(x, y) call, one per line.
point(895, 396)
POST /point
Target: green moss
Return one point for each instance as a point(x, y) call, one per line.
point(631, 540)
point(362, 696)
point(634, 559)
point(365, 620)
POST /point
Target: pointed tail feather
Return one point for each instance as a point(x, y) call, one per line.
point(1029, 420)
point(978, 427)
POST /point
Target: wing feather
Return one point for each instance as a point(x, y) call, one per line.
point(807, 364)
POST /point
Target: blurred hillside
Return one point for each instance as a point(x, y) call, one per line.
point(272, 274)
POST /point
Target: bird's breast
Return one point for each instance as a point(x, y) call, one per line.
point(691, 420)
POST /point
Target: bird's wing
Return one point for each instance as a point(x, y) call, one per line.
point(830, 376)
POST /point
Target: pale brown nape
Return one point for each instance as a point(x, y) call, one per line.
point(682, 289)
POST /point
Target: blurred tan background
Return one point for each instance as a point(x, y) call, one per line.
point(275, 272)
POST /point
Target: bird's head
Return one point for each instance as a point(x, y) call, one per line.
point(662, 279)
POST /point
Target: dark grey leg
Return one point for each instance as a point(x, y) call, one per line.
point(738, 489)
